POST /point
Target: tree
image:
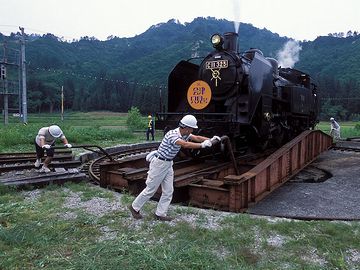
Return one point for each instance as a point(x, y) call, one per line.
point(134, 120)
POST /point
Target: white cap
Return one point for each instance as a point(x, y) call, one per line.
point(332, 119)
point(189, 121)
point(55, 131)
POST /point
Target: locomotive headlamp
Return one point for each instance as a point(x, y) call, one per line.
point(267, 116)
point(217, 41)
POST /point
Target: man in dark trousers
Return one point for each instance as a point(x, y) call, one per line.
point(150, 129)
point(44, 141)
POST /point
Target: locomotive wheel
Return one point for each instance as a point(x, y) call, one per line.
point(279, 138)
point(262, 145)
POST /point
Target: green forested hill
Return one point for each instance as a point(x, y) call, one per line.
point(335, 63)
point(332, 56)
point(122, 72)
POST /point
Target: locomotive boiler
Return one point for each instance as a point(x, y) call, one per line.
point(245, 96)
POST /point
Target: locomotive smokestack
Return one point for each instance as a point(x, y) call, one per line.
point(231, 41)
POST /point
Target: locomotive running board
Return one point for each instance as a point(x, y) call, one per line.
point(241, 191)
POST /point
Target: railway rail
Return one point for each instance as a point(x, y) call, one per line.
point(353, 139)
point(21, 161)
point(93, 167)
point(17, 169)
point(345, 148)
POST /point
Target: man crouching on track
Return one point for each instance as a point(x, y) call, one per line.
point(46, 138)
point(161, 171)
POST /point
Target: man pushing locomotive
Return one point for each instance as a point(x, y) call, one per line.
point(161, 161)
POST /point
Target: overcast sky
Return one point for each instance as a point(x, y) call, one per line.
point(72, 19)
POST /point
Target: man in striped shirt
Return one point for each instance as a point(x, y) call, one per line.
point(161, 171)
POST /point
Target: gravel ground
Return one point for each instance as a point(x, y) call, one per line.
point(328, 188)
point(99, 207)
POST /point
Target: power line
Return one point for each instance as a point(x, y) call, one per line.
point(38, 32)
point(84, 76)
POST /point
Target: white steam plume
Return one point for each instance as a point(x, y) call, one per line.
point(236, 10)
point(289, 54)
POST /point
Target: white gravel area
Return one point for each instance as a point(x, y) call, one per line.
point(98, 207)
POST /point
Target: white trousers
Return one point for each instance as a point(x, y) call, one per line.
point(335, 133)
point(160, 173)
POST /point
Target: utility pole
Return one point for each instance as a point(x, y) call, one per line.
point(160, 99)
point(3, 77)
point(62, 103)
point(23, 73)
point(19, 85)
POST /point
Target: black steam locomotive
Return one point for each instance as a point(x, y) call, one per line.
point(244, 96)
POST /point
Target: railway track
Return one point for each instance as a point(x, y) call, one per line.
point(92, 167)
point(345, 148)
point(347, 145)
point(21, 161)
point(17, 169)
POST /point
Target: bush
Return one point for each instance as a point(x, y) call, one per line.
point(134, 120)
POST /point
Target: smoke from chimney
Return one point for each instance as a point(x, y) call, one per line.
point(236, 11)
point(289, 54)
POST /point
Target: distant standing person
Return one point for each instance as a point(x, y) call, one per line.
point(46, 138)
point(161, 171)
point(334, 129)
point(150, 128)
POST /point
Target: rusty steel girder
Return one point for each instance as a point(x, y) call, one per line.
point(239, 191)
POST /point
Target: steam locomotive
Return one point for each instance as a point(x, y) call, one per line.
point(245, 96)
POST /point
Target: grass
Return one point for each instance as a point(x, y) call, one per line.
point(100, 128)
point(80, 226)
point(348, 129)
point(58, 228)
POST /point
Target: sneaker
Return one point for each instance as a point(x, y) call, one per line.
point(44, 169)
point(37, 163)
point(135, 214)
point(163, 218)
